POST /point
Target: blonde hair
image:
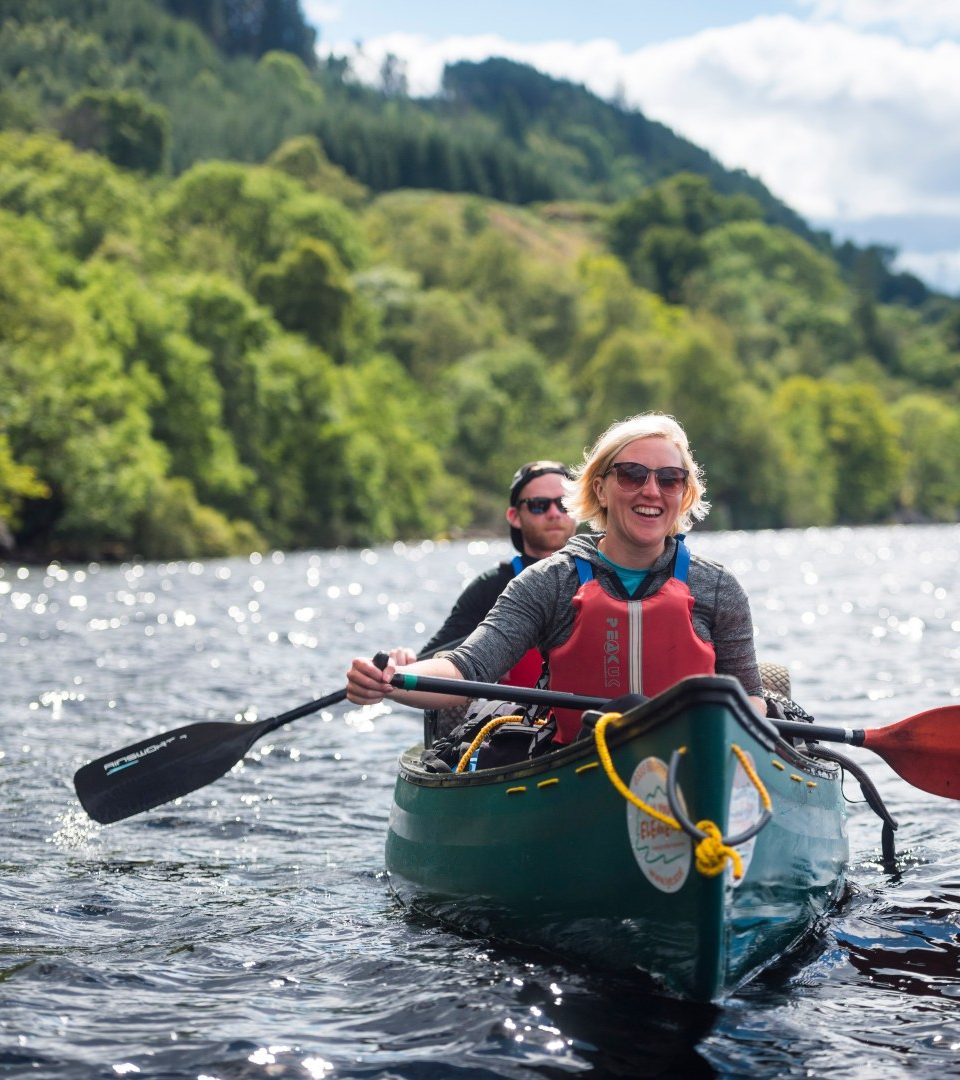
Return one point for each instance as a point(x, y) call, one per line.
point(581, 499)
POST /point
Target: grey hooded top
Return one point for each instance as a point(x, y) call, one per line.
point(535, 611)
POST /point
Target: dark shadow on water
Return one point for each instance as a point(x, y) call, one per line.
point(622, 1025)
point(623, 1031)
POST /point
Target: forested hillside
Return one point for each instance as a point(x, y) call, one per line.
point(245, 301)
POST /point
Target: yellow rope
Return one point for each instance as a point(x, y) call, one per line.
point(600, 733)
point(711, 852)
point(490, 725)
point(754, 778)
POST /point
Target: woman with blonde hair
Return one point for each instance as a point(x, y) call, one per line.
point(624, 609)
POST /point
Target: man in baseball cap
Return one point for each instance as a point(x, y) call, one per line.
point(539, 524)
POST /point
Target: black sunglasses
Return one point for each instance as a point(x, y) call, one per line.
point(631, 476)
point(541, 506)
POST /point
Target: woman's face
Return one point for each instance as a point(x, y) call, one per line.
point(639, 518)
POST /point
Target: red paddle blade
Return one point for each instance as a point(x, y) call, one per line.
point(924, 749)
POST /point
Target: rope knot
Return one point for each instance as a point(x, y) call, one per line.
point(712, 853)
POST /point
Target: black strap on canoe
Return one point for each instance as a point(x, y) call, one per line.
point(785, 708)
point(870, 793)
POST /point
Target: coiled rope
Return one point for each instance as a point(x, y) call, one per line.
point(711, 853)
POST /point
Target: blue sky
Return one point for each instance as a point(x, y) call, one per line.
point(847, 109)
point(631, 24)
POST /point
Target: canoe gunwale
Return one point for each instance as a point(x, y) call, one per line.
point(702, 690)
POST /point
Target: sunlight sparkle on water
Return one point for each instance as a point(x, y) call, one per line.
point(75, 832)
point(317, 1068)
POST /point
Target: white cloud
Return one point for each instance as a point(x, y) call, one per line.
point(940, 267)
point(595, 63)
point(320, 12)
point(840, 123)
point(837, 122)
point(916, 20)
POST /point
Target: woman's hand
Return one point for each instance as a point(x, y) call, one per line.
point(401, 656)
point(366, 683)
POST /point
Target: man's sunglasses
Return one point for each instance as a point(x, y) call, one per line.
point(632, 476)
point(541, 506)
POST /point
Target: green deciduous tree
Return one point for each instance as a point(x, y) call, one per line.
point(537, 301)
point(683, 202)
point(726, 421)
point(304, 158)
point(17, 483)
point(69, 412)
point(507, 405)
point(864, 439)
point(122, 125)
point(236, 202)
point(309, 291)
point(391, 481)
point(422, 233)
point(432, 329)
point(664, 257)
point(845, 450)
point(149, 328)
point(629, 373)
point(608, 302)
point(80, 196)
point(930, 443)
point(174, 524)
point(810, 479)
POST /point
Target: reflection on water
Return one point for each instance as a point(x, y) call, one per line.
point(248, 930)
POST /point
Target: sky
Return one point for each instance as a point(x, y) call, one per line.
point(848, 110)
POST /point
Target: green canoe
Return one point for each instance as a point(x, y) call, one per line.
point(550, 853)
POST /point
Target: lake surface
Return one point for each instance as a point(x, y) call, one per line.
point(249, 931)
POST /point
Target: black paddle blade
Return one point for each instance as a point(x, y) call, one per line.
point(164, 767)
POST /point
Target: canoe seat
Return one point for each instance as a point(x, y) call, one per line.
point(509, 744)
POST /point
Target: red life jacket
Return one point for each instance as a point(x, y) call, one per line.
point(526, 671)
point(628, 646)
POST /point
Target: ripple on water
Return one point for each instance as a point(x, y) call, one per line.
point(246, 930)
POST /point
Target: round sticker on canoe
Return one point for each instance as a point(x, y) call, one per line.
point(662, 853)
point(744, 811)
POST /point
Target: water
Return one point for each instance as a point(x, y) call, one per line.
point(248, 931)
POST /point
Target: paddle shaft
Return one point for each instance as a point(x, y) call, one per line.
point(524, 696)
point(823, 732)
point(273, 722)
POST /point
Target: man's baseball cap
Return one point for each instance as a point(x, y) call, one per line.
point(521, 478)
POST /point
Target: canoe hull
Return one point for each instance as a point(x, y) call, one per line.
point(551, 854)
